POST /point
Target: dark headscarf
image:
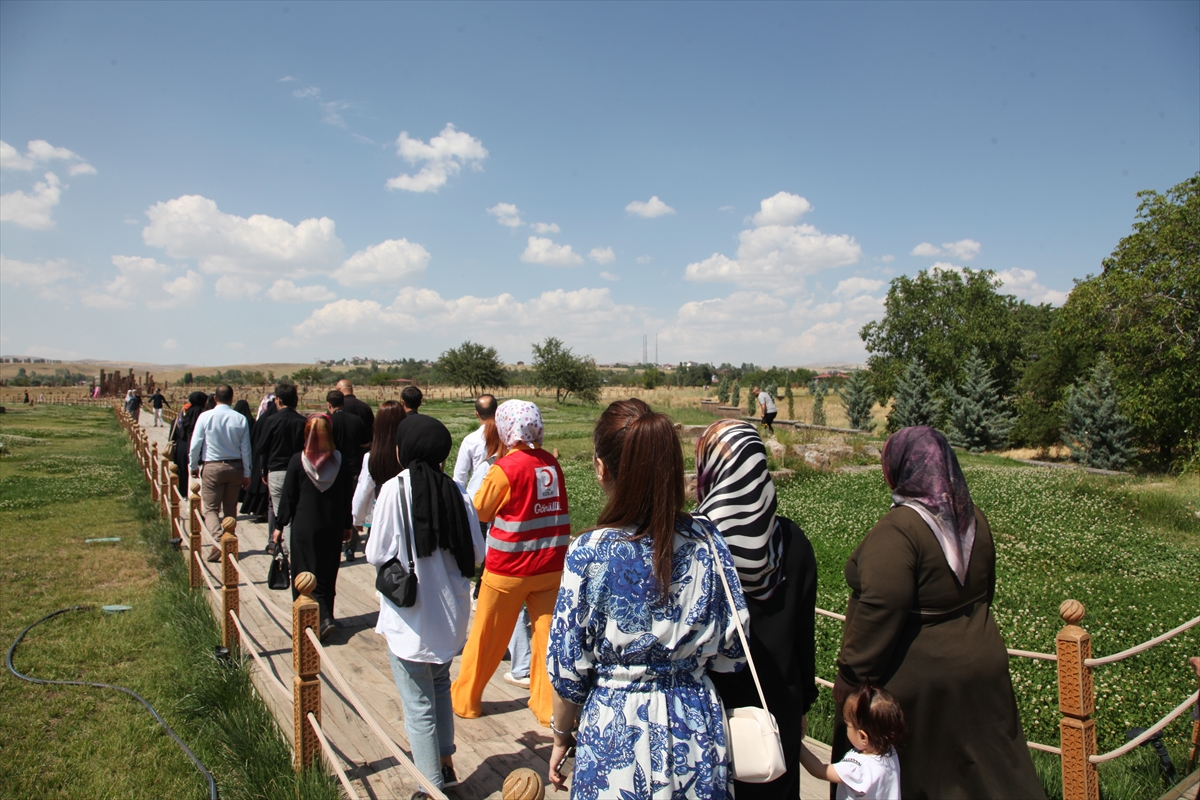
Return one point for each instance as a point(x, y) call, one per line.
point(192, 411)
point(921, 468)
point(243, 408)
point(736, 493)
point(439, 518)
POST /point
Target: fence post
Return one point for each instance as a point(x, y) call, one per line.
point(1076, 701)
point(153, 469)
point(306, 663)
point(229, 579)
point(164, 481)
point(173, 494)
point(195, 579)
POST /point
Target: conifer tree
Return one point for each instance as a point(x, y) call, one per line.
point(979, 416)
point(735, 395)
point(818, 391)
point(1093, 426)
point(915, 404)
point(752, 403)
point(723, 390)
point(859, 399)
point(791, 401)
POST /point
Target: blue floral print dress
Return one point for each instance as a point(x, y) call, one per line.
point(651, 723)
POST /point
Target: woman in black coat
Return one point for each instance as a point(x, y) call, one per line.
point(256, 498)
point(181, 434)
point(316, 503)
point(778, 572)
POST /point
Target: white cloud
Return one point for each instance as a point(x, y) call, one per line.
point(170, 344)
point(1024, 284)
point(725, 208)
point(287, 292)
point(608, 276)
point(946, 266)
point(644, 259)
point(777, 256)
point(260, 246)
point(443, 156)
point(964, 249)
point(330, 109)
point(544, 251)
point(146, 281)
point(545, 227)
point(393, 261)
point(506, 214)
point(311, 91)
point(585, 317)
point(889, 258)
point(781, 209)
point(236, 287)
point(650, 208)
point(854, 286)
point(39, 151)
point(32, 210)
point(603, 255)
point(33, 276)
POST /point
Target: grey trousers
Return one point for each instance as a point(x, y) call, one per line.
point(275, 484)
point(219, 484)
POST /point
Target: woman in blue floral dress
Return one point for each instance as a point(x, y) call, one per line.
point(641, 615)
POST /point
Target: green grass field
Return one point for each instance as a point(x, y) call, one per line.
point(68, 474)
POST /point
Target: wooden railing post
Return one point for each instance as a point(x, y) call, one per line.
point(153, 469)
point(173, 494)
point(306, 663)
point(164, 481)
point(229, 579)
point(195, 579)
point(1076, 701)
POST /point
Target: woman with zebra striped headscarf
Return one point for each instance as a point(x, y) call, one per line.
point(778, 571)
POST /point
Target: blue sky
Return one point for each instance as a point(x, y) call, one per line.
point(236, 183)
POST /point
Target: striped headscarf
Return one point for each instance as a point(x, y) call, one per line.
point(736, 493)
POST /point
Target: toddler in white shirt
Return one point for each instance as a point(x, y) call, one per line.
point(871, 771)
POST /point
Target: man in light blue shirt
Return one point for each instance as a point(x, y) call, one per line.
point(220, 457)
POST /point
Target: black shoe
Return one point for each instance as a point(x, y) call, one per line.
point(448, 777)
point(328, 626)
point(348, 552)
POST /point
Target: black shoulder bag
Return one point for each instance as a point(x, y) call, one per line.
point(393, 581)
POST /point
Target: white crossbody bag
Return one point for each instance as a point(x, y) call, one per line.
point(756, 752)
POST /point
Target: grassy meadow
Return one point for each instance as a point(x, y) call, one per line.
point(1127, 547)
point(66, 475)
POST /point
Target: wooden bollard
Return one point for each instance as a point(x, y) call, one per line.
point(165, 490)
point(195, 579)
point(173, 494)
point(306, 663)
point(229, 579)
point(1077, 702)
point(153, 469)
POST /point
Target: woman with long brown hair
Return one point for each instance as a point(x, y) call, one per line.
point(641, 617)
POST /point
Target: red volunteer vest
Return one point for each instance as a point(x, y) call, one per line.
point(532, 530)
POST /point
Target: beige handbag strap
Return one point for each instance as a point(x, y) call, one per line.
point(737, 620)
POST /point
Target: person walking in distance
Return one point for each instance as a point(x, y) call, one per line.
point(766, 406)
point(220, 457)
point(410, 398)
point(157, 401)
point(525, 498)
point(358, 408)
point(282, 438)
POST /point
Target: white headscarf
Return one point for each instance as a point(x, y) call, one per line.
point(519, 421)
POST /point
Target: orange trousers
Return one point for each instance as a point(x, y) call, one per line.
point(500, 601)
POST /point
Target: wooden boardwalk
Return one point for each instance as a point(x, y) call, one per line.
point(489, 748)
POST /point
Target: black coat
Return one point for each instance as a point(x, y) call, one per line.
point(282, 438)
point(361, 410)
point(783, 642)
point(319, 520)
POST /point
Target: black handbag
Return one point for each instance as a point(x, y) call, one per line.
point(279, 576)
point(393, 581)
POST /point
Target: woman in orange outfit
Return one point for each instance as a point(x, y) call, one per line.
point(524, 497)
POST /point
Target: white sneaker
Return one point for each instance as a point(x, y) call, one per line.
point(515, 681)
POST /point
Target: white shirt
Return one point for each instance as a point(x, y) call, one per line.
point(221, 434)
point(471, 454)
point(867, 776)
point(434, 629)
point(766, 400)
point(364, 495)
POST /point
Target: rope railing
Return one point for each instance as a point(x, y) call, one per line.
point(331, 756)
point(267, 605)
point(1133, 651)
point(426, 785)
point(1149, 732)
point(269, 674)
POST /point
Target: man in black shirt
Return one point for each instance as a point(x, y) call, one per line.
point(410, 398)
point(351, 440)
point(356, 407)
point(283, 438)
point(158, 401)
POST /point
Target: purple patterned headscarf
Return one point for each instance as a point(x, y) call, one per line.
point(921, 468)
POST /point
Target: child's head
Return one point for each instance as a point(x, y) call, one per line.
point(874, 720)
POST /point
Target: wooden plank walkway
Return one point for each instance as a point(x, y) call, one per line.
point(489, 748)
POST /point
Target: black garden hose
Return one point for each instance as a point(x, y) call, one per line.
point(212, 785)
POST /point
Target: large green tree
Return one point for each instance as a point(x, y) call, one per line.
point(936, 318)
point(1143, 311)
point(472, 365)
point(557, 367)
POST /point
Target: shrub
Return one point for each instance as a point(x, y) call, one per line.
point(735, 396)
point(791, 401)
point(723, 390)
point(818, 390)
